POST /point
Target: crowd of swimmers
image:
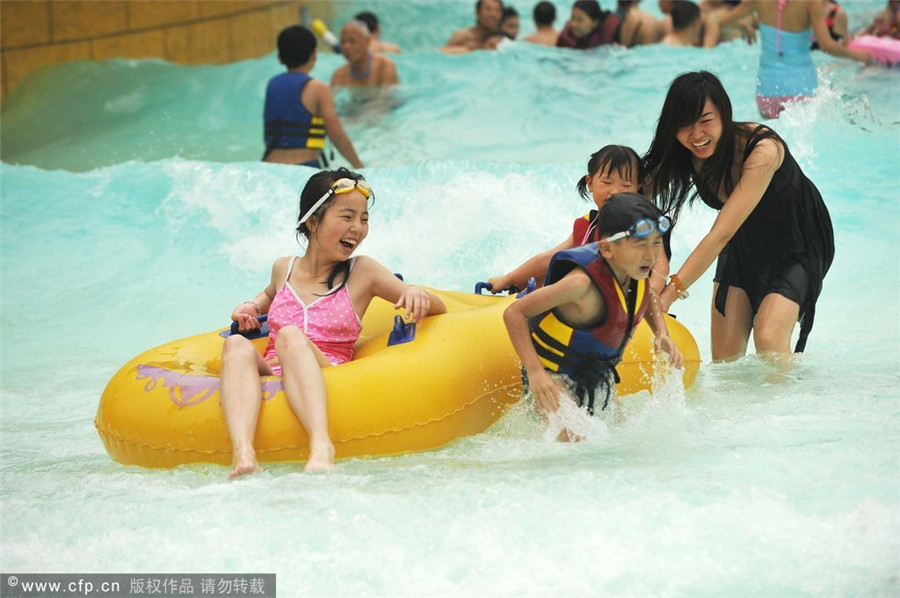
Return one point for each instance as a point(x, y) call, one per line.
point(788, 30)
point(772, 242)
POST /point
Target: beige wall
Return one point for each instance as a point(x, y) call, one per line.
point(35, 33)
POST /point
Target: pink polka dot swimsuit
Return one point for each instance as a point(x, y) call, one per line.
point(329, 322)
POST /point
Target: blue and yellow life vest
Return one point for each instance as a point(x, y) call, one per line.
point(288, 124)
point(589, 356)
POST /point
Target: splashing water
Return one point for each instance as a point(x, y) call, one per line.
point(140, 213)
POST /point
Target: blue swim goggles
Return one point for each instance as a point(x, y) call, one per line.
point(642, 228)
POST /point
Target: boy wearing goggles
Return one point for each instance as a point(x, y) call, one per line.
point(571, 333)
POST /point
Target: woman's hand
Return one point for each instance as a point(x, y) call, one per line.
point(663, 343)
point(247, 316)
point(416, 301)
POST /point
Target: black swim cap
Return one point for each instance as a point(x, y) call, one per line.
point(621, 211)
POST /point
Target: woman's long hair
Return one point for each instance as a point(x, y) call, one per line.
point(317, 186)
point(668, 163)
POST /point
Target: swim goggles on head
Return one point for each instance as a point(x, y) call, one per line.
point(339, 187)
point(642, 228)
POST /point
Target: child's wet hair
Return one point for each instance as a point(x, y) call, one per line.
point(317, 186)
point(622, 210)
point(619, 159)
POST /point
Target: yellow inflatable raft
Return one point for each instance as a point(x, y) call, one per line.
point(454, 379)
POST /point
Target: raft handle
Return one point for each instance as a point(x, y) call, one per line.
point(479, 286)
point(403, 332)
point(250, 334)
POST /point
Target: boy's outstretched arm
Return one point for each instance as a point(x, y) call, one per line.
point(662, 341)
point(572, 287)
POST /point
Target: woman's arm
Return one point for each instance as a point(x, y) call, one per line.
point(659, 273)
point(817, 16)
point(756, 175)
point(662, 341)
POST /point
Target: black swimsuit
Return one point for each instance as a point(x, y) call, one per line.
point(785, 245)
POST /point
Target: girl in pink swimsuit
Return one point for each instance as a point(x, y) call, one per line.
point(315, 303)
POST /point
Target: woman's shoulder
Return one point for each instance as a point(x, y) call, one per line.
point(753, 134)
point(762, 146)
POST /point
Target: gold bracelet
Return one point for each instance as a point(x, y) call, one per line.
point(679, 286)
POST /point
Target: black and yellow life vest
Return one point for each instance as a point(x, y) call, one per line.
point(288, 124)
point(589, 356)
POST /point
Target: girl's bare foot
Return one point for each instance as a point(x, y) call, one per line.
point(244, 463)
point(321, 457)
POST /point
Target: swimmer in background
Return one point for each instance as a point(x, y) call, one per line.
point(710, 31)
point(612, 169)
point(487, 19)
point(744, 28)
point(588, 27)
point(509, 22)
point(494, 38)
point(572, 332)
point(836, 20)
point(886, 23)
point(786, 70)
point(376, 44)
point(299, 110)
point(544, 15)
point(638, 28)
point(685, 26)
point(364, 68)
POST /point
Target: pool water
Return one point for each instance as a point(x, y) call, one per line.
point(135, 211)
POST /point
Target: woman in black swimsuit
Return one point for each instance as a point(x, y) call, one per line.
point(773, 231)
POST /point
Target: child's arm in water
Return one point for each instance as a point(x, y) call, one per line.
point(572, 288)
point(534, 267)
point(375, 280)
point(662, 340)
point(246, 313)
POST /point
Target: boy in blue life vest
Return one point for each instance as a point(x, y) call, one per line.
point(571, 333)
point(299, 111)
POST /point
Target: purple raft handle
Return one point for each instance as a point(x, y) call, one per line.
point(403, 332)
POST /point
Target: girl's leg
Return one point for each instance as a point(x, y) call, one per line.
point(241, 394)
point(301, 367)
point(774, 324)
point(731, 332)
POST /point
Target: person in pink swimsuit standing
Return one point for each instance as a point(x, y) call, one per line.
point(315, 303)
